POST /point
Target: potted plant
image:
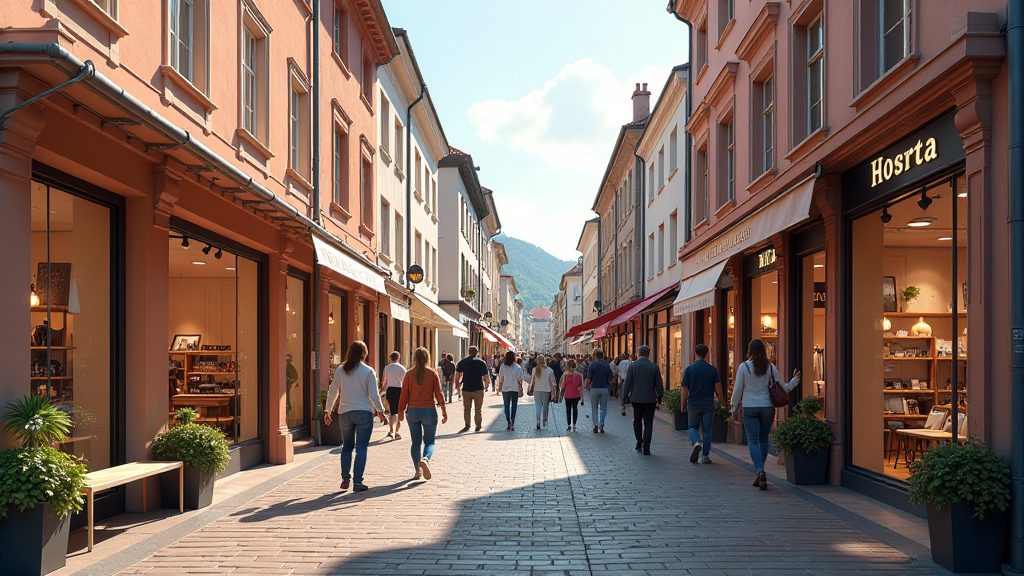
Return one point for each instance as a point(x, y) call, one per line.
point(966, 488)
point(330, 434)
point(672, 402)
point(470, 293)
point(720, 423)
point(910, 293)
point(805, 440)
point(40, 487)
point(204, 452)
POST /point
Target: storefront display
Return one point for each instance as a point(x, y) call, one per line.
point(296, 371)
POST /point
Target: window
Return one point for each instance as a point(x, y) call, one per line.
point(815, 75)
point(700, 197)
point(182, 48)
point(894, 34)
point(418, 174)
point(418, 249)
point(108, 6)
point(248, 81)
point(433, 264)
point(764, 137)
point(725, 15)
point(727, 162)
point(661, 247)
point(299, 137)
point(673, 237)
point(366, 192)
point(385, 122)
point(341, 33)
point(399, 145)
point(385, 227)
point(650, 255)
point(807, 113)
point(661, 168)
point(399, 242)
point(340, 167)
point(367, 79)
point(650, 185)
point(295, 129)
point(426, 264)
point(673, 150)
point(700, 46)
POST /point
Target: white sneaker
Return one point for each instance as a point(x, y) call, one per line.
point(425, 469)
point(706, 460)
point(695, 454)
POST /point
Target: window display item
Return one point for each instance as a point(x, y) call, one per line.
point(183, 342)
point(922, 328)
point(53, 280)
point(935, 418)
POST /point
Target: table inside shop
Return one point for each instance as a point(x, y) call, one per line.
point(921, 437)
point(213, 408)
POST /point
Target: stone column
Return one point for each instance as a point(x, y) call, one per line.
point(827, 196)
point(278, 438)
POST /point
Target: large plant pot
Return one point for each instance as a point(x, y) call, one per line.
point(719, 430)
point(34, 541)
point(680, 421)
point(806, 469)
point(330, 434)
point(198, 488)
point(962, 543)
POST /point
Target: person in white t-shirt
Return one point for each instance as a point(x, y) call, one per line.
point(392, 384)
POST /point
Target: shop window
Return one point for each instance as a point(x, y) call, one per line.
point(296, 374)
point(764, 306)
point(812, 325)
point(71, 311)
point(885, 37)
point(213, 330)
point(907, 324)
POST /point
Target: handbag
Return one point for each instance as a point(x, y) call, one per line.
point(776, 392)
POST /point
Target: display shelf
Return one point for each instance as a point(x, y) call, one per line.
point(905, 416)
point(909, 337)
point(198, 373)
point(920, 314)
point(53, 309)
point(902, 358)
point(910, 391)
point(54, 348)
point(52, 378)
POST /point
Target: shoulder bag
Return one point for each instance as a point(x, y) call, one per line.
point(778, 394)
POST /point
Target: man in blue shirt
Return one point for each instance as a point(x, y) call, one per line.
point(599, 376)
point(700, 384)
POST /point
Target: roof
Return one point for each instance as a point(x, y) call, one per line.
point(666, 92)
point(541, 313)
point(467, 171)
point(373, 22)
point(635, 125)
point(592, 222)
point(492, 209)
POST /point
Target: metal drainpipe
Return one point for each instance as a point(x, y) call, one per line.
point(1015, 65)
point(688, 142)
point(408, 188)
point(88, 70)
point(641, 169)
point(317, 308)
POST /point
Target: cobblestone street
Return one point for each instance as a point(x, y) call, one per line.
point(530, 502)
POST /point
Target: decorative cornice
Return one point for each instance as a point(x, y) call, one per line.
point(376, 30)
point(724, 82)
point(762, 27)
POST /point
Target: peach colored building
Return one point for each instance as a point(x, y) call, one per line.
point(847, 196)
point(160, 225)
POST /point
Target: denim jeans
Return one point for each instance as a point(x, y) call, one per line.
point(511, 401)
point(356, 427)
point(700, 417)
point(572, 410)
point(599, 405)
point(541, 401)
point(422, 428)
point(758, 423)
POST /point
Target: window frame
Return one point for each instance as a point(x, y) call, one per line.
point(340, 39)
point(174, 20)
point(815, 59)
point(384, 230)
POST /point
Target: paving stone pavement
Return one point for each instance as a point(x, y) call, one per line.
point(531, 502)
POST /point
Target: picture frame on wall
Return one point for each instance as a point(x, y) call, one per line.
point(185, 342)
point(888, 294)
point(53, 281)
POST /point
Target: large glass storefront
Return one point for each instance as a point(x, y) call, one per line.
point(296, 352)
point(214, 318)
point(811, 310)
point(764, 301)
point(73, 298)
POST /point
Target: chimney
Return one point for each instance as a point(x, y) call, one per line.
point(641, 102)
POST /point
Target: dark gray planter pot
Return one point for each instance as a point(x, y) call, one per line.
point(680, 421)
point(34, 541)
point(806, 469)
point(719, 430)
point(962, 543)
point(330, 434)
point(198, 488)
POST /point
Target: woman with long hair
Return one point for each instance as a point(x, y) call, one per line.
point(354, 397)
point(572, 385)
point(541, 384)
point(510, 375)
point(753, 378)
point(421, 392)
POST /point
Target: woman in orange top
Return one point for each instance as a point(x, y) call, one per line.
point(421, 388)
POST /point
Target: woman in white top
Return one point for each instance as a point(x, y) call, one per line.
point(753, 378)
point(510, 374)
point(355, 398)
point(541, 384)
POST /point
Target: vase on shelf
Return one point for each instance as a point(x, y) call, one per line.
point(922, 328)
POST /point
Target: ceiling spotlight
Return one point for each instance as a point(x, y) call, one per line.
point(819, 265)
point(218, 254)
point(920, 222)
point(199, 263)
point(925, 201)
point(207, 249)
point(886, 217)
point(230, 268)
point(962, 195)
point(945, 239)
point(184, 242)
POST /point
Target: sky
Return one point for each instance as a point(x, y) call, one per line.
point(536, 91)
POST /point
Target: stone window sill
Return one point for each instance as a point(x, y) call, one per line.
point(891, 77)
point(251, 139)
point(175, 77)
point(299, 179)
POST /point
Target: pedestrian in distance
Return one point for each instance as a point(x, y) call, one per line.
point(421, 389)
point(510, 378)
point(447, 367)
point(643, 389)
point(555, 364)
point(542, 384)
point(753, 378)
point(469, 377)
point(392, 384)
point(354, 396)
point(572, 386)
point(697, 400)
point(623, 367)
point(599, 374)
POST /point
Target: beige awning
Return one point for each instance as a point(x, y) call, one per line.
point(445, 318)
point(399, 311)
point(347, 266)
point(698, 291)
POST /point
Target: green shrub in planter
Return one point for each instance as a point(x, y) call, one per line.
point(805, 440)
point(722, 412)
point(672, 400)
point(194, 444)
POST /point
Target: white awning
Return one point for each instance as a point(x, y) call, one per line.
point(347, 266)
point(582, 339)
point(399, 312)
point(457, 328)
point(698, 291)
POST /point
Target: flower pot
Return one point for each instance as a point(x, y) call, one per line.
point(806, 469)
point(198, 488)
point(680, 421)
point(330, 434)
point(34, 541)
point(962, 543)
point(719, 430)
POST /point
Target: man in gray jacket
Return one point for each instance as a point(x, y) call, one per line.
point(643, 389)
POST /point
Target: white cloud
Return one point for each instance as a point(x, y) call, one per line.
point(555, 226)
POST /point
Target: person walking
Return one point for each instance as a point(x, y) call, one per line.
point(753, 378)
point(572, 385)
point(510, 377)
point(447, 367)
point(599, 374)
point(469, 377)
point(556, 370)
point(623, 367)
point(353, 395)
point(542, 384)
point(643, 388)
point(420, 390)
point(697, 401)
point(392, 384)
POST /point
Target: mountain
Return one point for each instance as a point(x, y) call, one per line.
point(537, 273)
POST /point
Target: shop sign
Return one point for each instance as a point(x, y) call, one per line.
point(921, 154)
point(818, 295)
point(766, 259)
point(727, 243)
point(331, 257)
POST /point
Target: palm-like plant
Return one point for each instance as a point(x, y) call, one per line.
point(36, 422)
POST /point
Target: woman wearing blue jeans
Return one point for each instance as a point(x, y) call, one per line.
point(751, 390)
point(421, 389)
point(542, 384)
point(354, 397)
point(510, 376)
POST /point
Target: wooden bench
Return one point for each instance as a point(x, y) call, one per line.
point(125, 473)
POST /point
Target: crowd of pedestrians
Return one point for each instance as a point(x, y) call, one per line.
point(414, 395)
